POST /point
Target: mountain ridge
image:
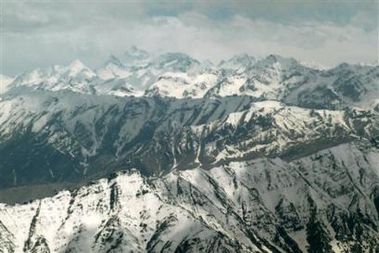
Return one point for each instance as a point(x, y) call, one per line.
point(169, 154)
point(207, 205)
point(270, 78)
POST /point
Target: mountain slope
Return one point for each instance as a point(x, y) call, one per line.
point(63, 136)
point(261, 205)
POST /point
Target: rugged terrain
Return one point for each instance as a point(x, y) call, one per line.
point(168, 154)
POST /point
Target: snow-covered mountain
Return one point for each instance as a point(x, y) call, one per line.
point(180, 76)
point(76, 77)
point(97, 134)
point(164, 153)
point(261, 205)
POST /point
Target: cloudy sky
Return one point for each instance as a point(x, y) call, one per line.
point(42, 33)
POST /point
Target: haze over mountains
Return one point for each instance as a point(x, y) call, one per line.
point(169, 154)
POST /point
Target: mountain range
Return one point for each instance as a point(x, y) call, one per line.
point(177, 75)
point(167, 153)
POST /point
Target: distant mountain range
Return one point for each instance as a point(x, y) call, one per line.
point(169, 154)
point(180, 76)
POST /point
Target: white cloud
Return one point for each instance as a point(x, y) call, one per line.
point(41, 35)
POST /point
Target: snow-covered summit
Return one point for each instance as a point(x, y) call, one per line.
point(76, 68)
point(238, 61)
point(134, 56)
point(177, 62)
point(76, 77)
point(113, 68)
point(181, 76)
point(113, 60)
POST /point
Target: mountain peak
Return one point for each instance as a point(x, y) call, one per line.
point(76, 67)
point(114, 60)
point(315, 65)
point(134, 49)
point(237, 61)
point(279, 61)
point(177, 62)
point(135, 54)
point(277, 58)
point(243, 56)
point(166, 57)
point(76, 64)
